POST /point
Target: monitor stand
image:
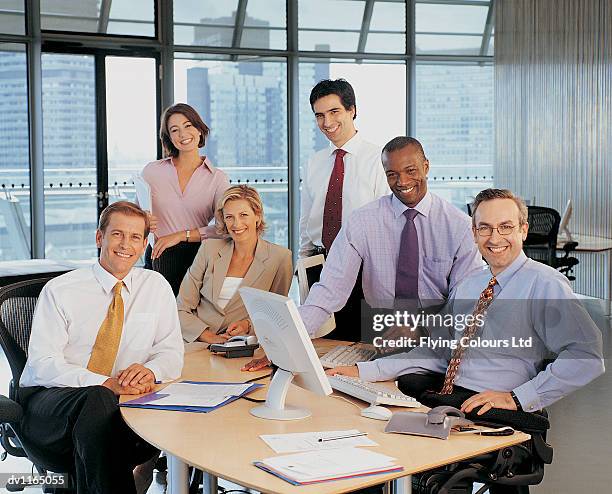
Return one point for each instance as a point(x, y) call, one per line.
point(274, 408)
point(566, 236)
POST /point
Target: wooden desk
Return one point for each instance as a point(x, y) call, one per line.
point(225, 442)
point(596, 245)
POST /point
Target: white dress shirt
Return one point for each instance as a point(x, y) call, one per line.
point(70, 311)
point(364, 181)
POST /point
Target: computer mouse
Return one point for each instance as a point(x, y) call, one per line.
point(376, 412)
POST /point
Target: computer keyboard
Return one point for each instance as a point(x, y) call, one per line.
point(347, 355)
point(373, 393)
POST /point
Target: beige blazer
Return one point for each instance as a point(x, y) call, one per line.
point(198, 310)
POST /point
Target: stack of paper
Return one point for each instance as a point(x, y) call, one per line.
point(321, 466)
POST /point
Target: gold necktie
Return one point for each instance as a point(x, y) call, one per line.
point(105, 348)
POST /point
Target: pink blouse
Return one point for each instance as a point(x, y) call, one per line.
point(193, 208)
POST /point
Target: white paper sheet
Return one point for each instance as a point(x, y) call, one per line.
point(309, 441)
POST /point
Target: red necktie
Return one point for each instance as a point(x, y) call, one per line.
point(486, 297)
point(332, 214)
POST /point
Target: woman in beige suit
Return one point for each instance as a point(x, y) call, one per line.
point(208, 299)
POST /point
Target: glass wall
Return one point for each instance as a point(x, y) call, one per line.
point(230, 61)
point(14, 154)
point(245, 105)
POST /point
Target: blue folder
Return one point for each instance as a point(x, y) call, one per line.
point(148, 401)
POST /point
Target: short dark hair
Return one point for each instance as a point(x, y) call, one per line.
point(340, 88)
point(400, 142)
point(123, 207)
point(490, 194)
point(190, 114)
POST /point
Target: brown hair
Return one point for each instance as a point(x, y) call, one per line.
point(123, 207)
point(490, 194)
point(234, 193)
point(190, 114)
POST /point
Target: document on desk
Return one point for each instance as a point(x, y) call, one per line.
point(321, 466)
point(310, 441)
point(192, 396)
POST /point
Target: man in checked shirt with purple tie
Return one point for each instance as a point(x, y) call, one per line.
point(412, 245)
point(530, 312)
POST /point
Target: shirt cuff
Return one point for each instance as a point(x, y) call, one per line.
point(528, 397)
point(368, 371)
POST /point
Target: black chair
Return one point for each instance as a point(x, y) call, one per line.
point(17, 304)
point(541, 242)
point(510, 469)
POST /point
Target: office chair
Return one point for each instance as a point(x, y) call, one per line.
point(541, 242)
point(510, 469)
point(17, 304)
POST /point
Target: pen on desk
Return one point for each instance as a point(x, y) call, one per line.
point(323, 439)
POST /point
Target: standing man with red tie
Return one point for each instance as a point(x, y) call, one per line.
point(97, 333)
point(338, 180)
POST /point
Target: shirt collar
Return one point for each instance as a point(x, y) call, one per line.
point(205, 163)
point(108, 281)
point(423, 207)
point(506, 275)
point(351, 146)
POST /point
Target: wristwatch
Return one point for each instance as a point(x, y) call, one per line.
point(516, 401)
point(187, 235)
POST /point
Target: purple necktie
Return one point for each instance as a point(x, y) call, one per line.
point(407, 273)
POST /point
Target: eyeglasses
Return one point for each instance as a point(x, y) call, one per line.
point(487, 231)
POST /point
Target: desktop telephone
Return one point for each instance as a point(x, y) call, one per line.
point(237, 346)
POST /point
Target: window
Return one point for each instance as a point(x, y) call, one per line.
point(69, 153)
point(126, 17)
point(12, 18)
point(454, 122)
point(451, 29)
point(352, 26)
point(131, 122)
point(261, 23)
point(245, 105)
point(14, 154)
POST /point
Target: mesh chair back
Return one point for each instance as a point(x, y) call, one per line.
point(541, 241)
point(17, 304)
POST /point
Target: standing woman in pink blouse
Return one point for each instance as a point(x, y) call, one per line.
point(185, 188)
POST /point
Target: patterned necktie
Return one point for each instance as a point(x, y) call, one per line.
point(407, 272)
point(105, 348)
point(332, 214)
point(486, 297)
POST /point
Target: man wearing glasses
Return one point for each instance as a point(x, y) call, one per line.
point(525, 311)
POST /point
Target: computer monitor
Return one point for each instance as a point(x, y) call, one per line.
point(308, 273)
point(564, 225)
point(281, 333)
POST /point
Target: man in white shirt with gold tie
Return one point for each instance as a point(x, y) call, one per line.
point(97, 333)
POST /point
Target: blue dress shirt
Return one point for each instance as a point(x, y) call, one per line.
point(533, 302)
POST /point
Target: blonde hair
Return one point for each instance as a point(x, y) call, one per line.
point(235, 193)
